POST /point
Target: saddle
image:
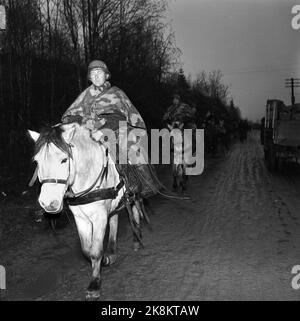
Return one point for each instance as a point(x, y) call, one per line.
point(139, 179)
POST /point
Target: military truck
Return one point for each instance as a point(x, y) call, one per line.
point(280, 134)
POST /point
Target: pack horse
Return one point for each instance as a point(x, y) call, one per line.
point(69, 161)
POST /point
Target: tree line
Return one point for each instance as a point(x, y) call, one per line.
point(47, 45)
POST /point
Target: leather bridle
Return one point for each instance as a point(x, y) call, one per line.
point(69, 193)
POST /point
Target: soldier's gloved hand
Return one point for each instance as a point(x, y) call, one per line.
point(90, 124)
point(72, 119)
point(99, 123)
point(96, 135)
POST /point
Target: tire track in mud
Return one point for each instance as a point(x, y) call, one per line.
point(244, 233)
point(160, 269)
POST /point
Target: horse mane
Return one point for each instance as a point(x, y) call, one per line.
point(52, 135)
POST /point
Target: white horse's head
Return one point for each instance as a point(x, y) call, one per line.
point(182, 142)
point(176, 124)
point(176, 128)
point(55, 166)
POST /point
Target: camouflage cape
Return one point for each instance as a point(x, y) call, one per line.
point(94, 103)
point(183, 113)
point(104, 107)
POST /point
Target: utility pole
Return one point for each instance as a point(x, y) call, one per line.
point(2, 33)
point(2, 22)
point(292, 83)
point(2, 17)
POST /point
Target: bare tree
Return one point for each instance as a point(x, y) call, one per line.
point(212, 85)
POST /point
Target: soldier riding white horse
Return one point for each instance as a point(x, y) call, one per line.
point(76, 162)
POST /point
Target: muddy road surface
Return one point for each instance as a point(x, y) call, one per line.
point(238, 238)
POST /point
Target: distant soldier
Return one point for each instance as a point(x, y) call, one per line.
point(262, 129)
point(211, 132)
point(243, 129)
point(223, 134)
point(182, 115)
point(181, 112)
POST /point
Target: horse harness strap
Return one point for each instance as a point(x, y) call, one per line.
point(96, 195)
point(54, 180)
point(102, 174)
point(88, 196)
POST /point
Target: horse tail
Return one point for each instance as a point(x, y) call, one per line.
point(167, 193)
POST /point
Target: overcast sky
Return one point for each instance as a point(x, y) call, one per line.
point(251, 41)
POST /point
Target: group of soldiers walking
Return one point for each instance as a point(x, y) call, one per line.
point(220, 132)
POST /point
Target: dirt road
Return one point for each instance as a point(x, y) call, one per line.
point(237, 239)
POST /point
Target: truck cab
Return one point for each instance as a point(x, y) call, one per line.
point(280, 132)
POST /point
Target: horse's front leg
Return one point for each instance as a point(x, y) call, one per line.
point(174, 174)
point(99, 223)
point(85, 229)
point(137, 237)
point(111, 256)
point(184, 179)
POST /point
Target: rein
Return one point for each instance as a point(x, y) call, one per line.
point(71, 194)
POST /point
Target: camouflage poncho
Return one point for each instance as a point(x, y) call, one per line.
point(105, 107)
point(183, 113)
point(94, 104)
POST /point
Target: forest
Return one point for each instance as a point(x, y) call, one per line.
point(47, 45)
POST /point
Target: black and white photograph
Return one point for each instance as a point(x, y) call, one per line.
point(149, 152)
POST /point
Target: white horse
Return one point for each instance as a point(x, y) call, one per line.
point(69, 159)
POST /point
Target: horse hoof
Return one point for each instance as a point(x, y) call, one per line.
point(105, 261)
point(92, 296)
point(136, 246)
point(108, 260)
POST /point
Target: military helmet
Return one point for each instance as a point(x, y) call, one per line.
point(176, 96)
point(97, 64)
